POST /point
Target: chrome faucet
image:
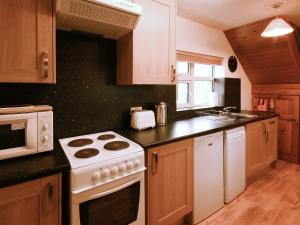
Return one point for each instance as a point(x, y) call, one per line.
point(229, 108)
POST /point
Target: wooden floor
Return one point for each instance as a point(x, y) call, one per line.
point(272, 200)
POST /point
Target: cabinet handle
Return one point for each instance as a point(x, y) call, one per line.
point(272, 122)
point(267, 137)
point(48, 206)
point(154, 162)
point(265, 129)
point(45, 64)
point(173, 73)
point(50, 187)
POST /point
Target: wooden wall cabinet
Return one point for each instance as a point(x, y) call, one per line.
point(261, 145)
point(148, 54)
point(169, 182)
point(31, 203)
point(27, 41)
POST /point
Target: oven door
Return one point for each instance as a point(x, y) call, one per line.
point(18, 135)
point(120, 202)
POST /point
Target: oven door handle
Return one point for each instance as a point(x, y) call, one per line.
point(118, 188)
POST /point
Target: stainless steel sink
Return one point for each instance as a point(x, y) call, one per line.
point(224, 118)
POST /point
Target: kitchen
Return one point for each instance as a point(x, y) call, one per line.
point(82, 86)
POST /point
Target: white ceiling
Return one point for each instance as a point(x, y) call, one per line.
point(227, 14)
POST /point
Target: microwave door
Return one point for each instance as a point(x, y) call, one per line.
point(12, 135)
point(18, 135)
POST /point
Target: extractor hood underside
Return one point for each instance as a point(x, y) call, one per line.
point(87, 16)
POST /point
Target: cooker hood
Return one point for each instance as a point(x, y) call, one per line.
point(110, 18)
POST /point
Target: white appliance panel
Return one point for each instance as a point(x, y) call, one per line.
point(234, 163)
point(208, 175)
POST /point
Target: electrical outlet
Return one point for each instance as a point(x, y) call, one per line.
point(136, 108)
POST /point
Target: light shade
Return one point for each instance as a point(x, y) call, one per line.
point(277, 27)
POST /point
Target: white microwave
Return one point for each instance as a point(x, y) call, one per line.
point(25, 130)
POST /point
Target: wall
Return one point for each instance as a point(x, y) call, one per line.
point(198, 38)
point(86, 98)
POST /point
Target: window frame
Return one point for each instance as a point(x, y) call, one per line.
point(194, 58)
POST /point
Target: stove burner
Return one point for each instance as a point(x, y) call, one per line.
point(80, 142)
point(105, 137)
point(116, 145)
point(86, 153)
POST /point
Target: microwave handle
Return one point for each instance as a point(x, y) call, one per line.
point(101, 194)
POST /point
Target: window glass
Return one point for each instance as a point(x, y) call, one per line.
point(194, 90)
point(219, 71)
point(183, 67)
point(202, 70)
point(182, 93)
point(202, 90)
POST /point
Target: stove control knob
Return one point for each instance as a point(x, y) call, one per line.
point(114, 170)
point(96, 176)
point(105, 173)
point(130, 165)
point(137, 163)
point(122, 168)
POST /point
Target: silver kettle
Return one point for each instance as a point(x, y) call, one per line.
point(161, 113)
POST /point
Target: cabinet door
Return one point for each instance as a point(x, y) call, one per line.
point(27, 41)
point(287, 105)
point(288, 129)
point(169, 182)
point(255, 147)
point(31, 203)
point(154, 43)
point(271, 141)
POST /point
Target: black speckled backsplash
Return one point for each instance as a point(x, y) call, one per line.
point(86, 98)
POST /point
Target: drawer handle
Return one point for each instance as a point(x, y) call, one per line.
point(154, 162)
point(272, 122)
point(210, 144)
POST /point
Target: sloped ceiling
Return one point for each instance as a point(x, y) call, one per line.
point(227, 14)
point(266, 60)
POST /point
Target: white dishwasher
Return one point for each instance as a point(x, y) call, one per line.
point(234, 163)
point(208, 175)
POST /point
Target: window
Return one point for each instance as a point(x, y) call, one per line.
point(195, 81)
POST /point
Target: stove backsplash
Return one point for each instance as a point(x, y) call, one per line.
point(86, 98)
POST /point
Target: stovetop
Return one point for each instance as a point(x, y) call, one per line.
point(95, 148)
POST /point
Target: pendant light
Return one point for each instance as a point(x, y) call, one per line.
point(278, 26)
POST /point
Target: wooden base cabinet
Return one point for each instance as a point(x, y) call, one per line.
point(27, 41)
point(287, 100)
point(169, 183)
point(32, 203)
point(148, 54)
point(254, 147)
point(261, 145)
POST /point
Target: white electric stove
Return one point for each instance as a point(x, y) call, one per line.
point(107, 172)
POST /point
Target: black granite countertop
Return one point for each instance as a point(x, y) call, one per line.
point(187, 128)
point(26, 168)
